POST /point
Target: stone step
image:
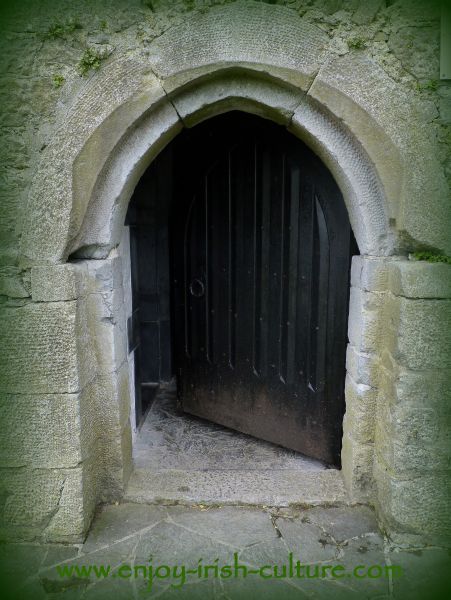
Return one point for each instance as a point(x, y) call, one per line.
point(232, 487)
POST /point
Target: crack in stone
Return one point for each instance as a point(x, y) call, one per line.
point(274, 524)
point(307, 92)
point(55, 511)
point(208, 537)
point(138, 534)
point(168, 98)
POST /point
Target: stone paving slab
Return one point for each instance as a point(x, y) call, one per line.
point(144, 535)
point(272, 488)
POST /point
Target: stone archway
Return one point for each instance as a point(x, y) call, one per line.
point(238, 89)
point(135, 106)
point(248, 56)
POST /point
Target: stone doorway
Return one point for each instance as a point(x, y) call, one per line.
point(183, 458)
point(261, 59)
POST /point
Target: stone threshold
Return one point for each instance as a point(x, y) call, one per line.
point(232, 487)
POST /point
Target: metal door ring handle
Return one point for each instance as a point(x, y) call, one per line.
point(197, 288)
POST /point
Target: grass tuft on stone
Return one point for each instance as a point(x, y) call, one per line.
point(431, 85)
point(61, 30)
point(58, 80)
point(90, 61)
point(356, 43)
point(431, 257)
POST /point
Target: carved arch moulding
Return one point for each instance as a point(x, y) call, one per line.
point(235, 57)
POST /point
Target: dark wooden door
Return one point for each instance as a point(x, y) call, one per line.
point(261, 257)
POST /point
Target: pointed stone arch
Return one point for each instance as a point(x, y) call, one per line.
point(254, 57)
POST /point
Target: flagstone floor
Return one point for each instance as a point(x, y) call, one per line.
point(204, 496)
point(127, 535)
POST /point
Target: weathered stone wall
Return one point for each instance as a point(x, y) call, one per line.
point(64, 399)
point(396, 444)
point(42, 40)
point(64, 381)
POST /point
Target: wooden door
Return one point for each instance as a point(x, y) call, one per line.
point(261, 248)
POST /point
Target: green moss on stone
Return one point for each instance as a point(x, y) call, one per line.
point(431, 257)
point(61, 30)
point(431, 85)
point(91, 60)
point(58, 81)
point(356, 43)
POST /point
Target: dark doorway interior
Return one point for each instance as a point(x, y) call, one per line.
point(149, 328)
point(241, 248)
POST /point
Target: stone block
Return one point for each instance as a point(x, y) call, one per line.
point(54, 283)
point(12, 283)
point(115, 98)
point(444, 92)
point(410, 440)
point(127, 453)
point(226, 35)
point(357, 468)
point(421, 332)
point(93, 158)
point(412, 505)
point(86, 355)
point(42, 504)
point(74, 511)
point(370, 273)
point(445, 110)
point(346, 85)
point(237, 487)
point(237, 91)
point(104, 216)
point(39, 348)
point(124, 253)
point(364, 320)
point(419, 279)
point(40, 431)
point(108, 396)
point(123, 395)
point(360, 410)
point(363, 367)
point(106, 433)
point(105, 275)
point(107, 326)
point(423, 388)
